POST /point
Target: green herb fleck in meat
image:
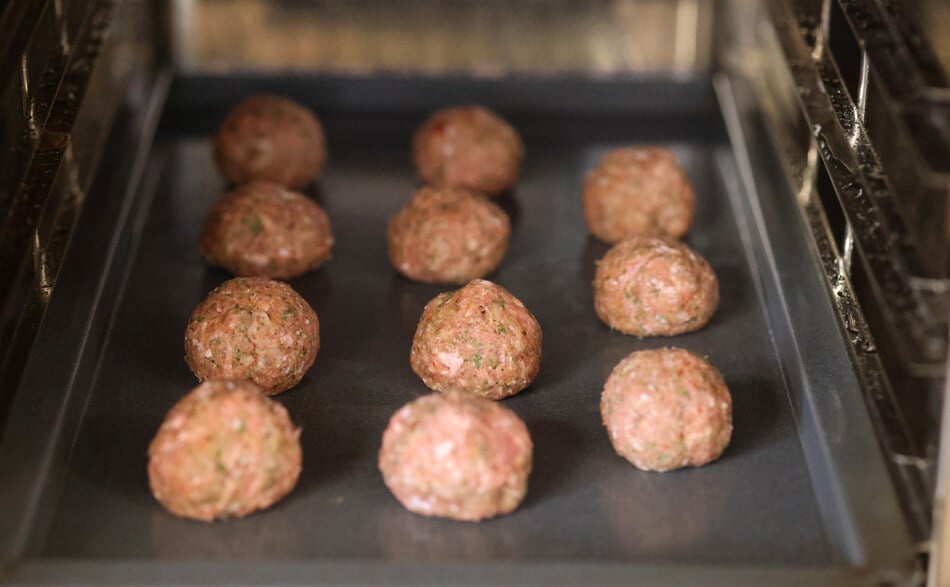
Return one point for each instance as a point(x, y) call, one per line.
point(477, 359)
point(253, 223)
point(482, 448)
point(218, 463)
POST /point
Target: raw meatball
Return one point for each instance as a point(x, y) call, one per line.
point(638, 191)
point(651, 286)
point(272, 139)
point(266, 230)
point(468, 147)
point(447, 235)
point(224, 450)
point(667, 408)
point(456, 456)
point(256, 329)
point(479, 339)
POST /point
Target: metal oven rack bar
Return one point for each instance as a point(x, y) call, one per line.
point(850, 85)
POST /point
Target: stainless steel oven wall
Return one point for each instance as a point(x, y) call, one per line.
point(852, 130)
point(67, 71)
point(488, 38)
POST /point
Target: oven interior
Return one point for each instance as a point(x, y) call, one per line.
point(852, 96)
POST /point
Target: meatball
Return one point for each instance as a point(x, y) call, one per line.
point(638, 190)
point(256, 329)
point(468, 147)
point(456, 456)
point(667, 408)
point(651, 286)
point(446, 235)
point(266, 230)
point(272, 139)
point(224, 450)
point(479, 339)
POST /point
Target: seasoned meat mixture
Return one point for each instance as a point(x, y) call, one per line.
point(256, 329)
point(446, 235)
point(468, 147)
point(224, 450)
point(479, 339)
point(638, 190)
point(667, 408)
point(457, 456)
point(262, 229)
point(650, 286)
point(270, 138)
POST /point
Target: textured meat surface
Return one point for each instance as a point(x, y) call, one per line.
point(479, 339)
point(446, 235)
point(667, 408)
point(638, 190)
point(224, 450)
point(262, 229)
point(468, 147)
point(457, 456)
point(256, 329)
point(650, 286)
point(273, 139)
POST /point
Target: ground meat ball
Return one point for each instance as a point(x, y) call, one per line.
point(270, 138)
point(468, 147)
point(256, 329)
point(224, 450)
point(666, 409)
point(265, 230)
point(650, 286)
point(456, 456)
point(638, 191)
point(479, 339)
point(446, 235)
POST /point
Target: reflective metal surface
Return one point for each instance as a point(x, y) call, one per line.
point(426, 37)
point(939, 569)
point(57, 110)
point(868, 202)
point(904, 408)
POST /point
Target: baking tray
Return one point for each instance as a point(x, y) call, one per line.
point(801, 496)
